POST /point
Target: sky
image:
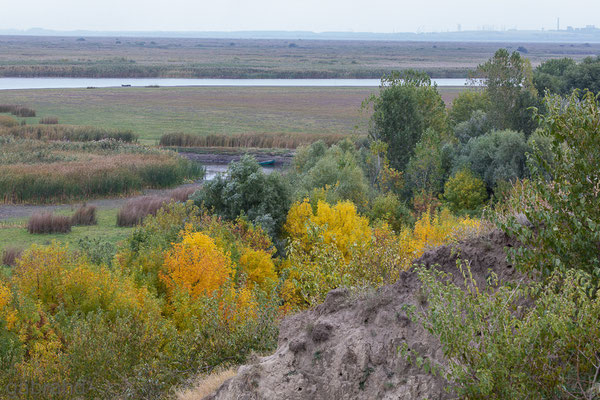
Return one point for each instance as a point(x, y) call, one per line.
point(291, 15)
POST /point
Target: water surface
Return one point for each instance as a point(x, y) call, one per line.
point(68, 83)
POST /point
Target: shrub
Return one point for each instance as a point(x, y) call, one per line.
point(98, 251)
point(7, 121)
point(196, 265)
point(49, 121)
point(46, 222)
point(84, 215)
point(339, 225)
point(390, 209)
point(10, 255)
point(464, 192)
point(531, 341)
point(135, 210)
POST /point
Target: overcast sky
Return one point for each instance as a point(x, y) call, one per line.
point(309, 15)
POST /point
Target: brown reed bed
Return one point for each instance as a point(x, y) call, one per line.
point(49, 121)
point(103, 176)
point(47, 222)
point(10, 255)
point(71, 133)
point(249, 140)
point(17, 110)
point(84, 215)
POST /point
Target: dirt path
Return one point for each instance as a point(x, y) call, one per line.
point(10, 211)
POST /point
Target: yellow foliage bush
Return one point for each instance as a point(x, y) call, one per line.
point(340, 225)
point(314, 270)
point(196, 265)
point(431, 230)
point(52, 277)
point(7, 314)
point(259, 268)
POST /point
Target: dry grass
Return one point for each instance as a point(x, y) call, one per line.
point(10, 255)
point(85, 215)
point(249, 140)
point(48, 223)
point(206, 384)
point(7, 121)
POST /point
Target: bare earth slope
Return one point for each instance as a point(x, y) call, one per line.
point(347, 348)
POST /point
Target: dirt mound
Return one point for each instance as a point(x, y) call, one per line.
point(348, 348)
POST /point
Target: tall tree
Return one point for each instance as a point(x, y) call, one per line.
point(407, 105)
point(508, 79)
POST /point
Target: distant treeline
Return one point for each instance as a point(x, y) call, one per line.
point(129, 70)
point(563, 75)
point(249, 140)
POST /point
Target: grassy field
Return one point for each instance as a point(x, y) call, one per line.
point(151, 112)
point(13, 232)
point(228, 58)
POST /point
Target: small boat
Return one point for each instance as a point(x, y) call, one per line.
point(125, 85)
point(268, 163)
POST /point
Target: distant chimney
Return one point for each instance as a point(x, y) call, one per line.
point(558, 24)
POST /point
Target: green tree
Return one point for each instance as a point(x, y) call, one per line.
point(466, 103)
point(552, 75)
point(246, 189)
point(508, 80)
point(332, 174)
point(407, 105)
point(495, 156)
point(430, 164)
point(562, 205)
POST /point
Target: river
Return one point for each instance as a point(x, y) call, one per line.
point(71, 83)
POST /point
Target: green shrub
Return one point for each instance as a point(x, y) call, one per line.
point(497, 347)
point(464, 192)
point(561, 204)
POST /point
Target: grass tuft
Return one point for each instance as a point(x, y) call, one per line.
point(135, 210)
point(45, 222)
point(84, 215)
point(10, 255)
